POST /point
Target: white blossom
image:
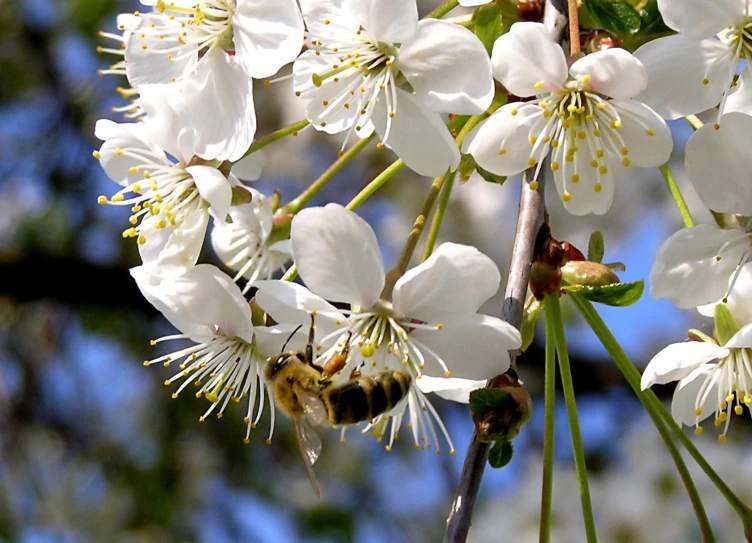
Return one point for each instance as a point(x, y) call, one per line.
point(227, 355)
point(360, 52)
point(430, 328)
point(584, 118)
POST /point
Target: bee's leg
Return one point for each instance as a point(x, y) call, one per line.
point(309, 345)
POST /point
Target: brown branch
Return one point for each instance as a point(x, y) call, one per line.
point(529, 221)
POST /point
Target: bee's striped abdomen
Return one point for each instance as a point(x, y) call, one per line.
point(366, 397)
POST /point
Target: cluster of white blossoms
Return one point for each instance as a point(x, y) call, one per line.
point(373, 66)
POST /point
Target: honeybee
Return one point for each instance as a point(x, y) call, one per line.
point(306, 393)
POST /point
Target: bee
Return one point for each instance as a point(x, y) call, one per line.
point(306, 393)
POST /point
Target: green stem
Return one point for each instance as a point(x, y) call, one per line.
point(694, 121)
point(438, 217)
point(553, 315)
point(681, 205)
point(549, 419)
point(300, 202)
point(361, 197)
point(653, 404)
point(277, 135)
point(443, 9)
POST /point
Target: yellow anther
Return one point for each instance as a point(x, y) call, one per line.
point(722, 438)
point(554, 166)
point(698, 431)
point(698, 411)
point(547, 113)
point(133, 219)
point(581, 134)
point(598, 187)
point(616, 124)
point(502, 152)
point(118, 198)
point(96, 154)
point(514, 111)
point(705, 81)
point(566, 196)
point(594, 163)
point(141, 239)
point(555, 144)
point(738, 410)
point(539, 85)
point(367, 350)
point(597, 133)
point(571, 108)
point(534, 185)
point(447, 373)
point(586, 78)
point(603, 170)
point(650, 132)
point(626, 162)
point(531, 162)
point(601, 105)
point(575, 178)
point(101, 199)
point(730, 398)
point(600, 153)
point(531, 139)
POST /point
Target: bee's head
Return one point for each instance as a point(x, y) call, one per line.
point(277, 363)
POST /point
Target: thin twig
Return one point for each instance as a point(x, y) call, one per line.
point(529, 221)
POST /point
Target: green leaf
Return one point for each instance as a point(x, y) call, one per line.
point(651, 27)
point(488, 25)
point(595, 247)
point(618, 294)
point(490, 177)
point(500, 454)
point(617, 16)
point(484, 400)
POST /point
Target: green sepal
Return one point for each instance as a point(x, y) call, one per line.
point(490, 177)
point(488, 25)
point(618, 266)
point(466, 168)
point(617, 16)
point(618, 294)
point(530, 316)
point(596, 247)
point(725, 323)
point(240, 196)
point(500, 454)
point(698, 335)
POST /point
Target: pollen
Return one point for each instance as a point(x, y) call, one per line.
point(514, 111)
point(566, 196)
point(502, 152)
point(650, 132)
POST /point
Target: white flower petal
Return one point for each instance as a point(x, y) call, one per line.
point(592, 193)
point(687, 270)
point(677, 70)
point(337, 255)
point(117, 136)
point(738, 300)
point(684, 402)
point(326, 109)
point(417, 135)
point(718, 163)
point(454, 79)
point(249, 168)
point(454, 281)
point(386, 20)
point(500, 143)
point(741, 99)
point(613, 72)
point(473, 347)
point(213, 188)
point(679, 360)
point(742, 339)
point(341, 19)
point(698, 19)
point(271, 339)
point(526, 56)
point(646, 135)
point(217, 102)
point(201, 302)
point(449, 388)
point(267, 35)
point(146, 58)
point(168, 247)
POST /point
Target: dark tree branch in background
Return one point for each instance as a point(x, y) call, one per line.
point(529, 221)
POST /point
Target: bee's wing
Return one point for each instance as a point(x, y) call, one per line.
point(310, 449)
point(314, 408)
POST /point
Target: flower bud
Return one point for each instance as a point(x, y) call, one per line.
point(589, 274)
point(500, 410)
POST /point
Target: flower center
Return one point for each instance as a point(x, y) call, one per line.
point(164, 196)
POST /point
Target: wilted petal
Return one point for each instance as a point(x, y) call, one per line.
point(527, 61)
point(337, 255)
point(473, 347)
point(417, 135)
point(455, 79)
point(613, 72)
point(684, 76)
point(687, 269)
point(698, 19)
point(500, 144)
point(719, 163)
point(646, 135)
point(267, 35)
point(454, 281)
point(679, 360)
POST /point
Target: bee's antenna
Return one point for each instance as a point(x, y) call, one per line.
point(289, 338)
